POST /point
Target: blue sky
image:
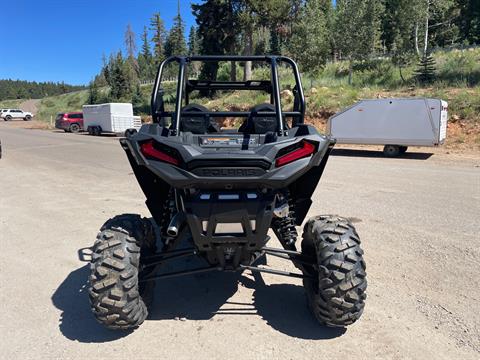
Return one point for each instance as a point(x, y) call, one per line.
point(63, 40)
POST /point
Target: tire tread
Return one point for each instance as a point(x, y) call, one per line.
point(337, 296)
point(114, 287)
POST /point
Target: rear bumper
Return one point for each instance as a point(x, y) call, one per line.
point(65, 125)
point(211, 177)
point(276, 178)
point(206, 216)
point(62, 125)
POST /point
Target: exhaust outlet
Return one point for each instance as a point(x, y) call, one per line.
point(172, 231)
point(175, 224)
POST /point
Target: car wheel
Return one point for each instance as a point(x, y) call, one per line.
point(8, 118)
point(391, 150)
point(74, 128)
point(27, 118)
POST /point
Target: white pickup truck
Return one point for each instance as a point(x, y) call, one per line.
point(10, 114)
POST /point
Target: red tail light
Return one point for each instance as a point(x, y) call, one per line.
point(149, 151)
point(306, 150)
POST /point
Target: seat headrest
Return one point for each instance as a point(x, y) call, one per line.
point(194, 124)
point(260, 124)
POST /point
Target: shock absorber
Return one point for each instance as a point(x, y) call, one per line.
point(283, 222)
point(168, 210)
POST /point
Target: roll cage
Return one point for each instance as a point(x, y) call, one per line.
point(185, 86)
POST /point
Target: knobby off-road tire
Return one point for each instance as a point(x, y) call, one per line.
point(118, 300)
point(336, 294)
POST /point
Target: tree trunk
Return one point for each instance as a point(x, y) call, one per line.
point(416, 40)
point(233, 71)
point(350, 71)
point(233, 64)
point(400, 71)
point(425, 45)
point(247, 71)
point(247, 74)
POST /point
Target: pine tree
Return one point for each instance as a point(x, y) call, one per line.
point(120, 86)
point(145, 59)
point(425, 72)
point(137, 97)
point(218, 31)
point(175, 44)
point(93, 94)
point(107, 68)
point(146, 50)
point(275, 45)
point(159, 35)
point(279, 16)
point(193, 42)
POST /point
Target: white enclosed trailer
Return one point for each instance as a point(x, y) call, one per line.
point(110, 118)
point(395, 123)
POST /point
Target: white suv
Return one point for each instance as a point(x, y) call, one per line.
point(9, 114)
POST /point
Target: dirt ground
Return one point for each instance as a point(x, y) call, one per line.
point(30, 105)
point(417, 216)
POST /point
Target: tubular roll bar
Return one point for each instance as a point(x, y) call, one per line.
point(234, 113)
point(183, 87)
point(229, 85)
point(276, 95)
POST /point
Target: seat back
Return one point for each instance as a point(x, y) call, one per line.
point(196, 124)
point(260, 124)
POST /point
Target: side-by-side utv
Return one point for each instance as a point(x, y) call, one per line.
point(218, 180)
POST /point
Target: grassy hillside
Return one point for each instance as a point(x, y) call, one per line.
point(455, 68)
point(50, 106)
point(10, 103)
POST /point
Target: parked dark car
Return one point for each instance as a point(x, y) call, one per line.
point(70, 122)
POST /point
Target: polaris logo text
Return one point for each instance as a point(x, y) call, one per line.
point(229, 172)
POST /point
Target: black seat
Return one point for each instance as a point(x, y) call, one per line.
point(260, 124)
point(196, 124)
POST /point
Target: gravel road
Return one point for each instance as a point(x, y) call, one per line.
point(418, 218)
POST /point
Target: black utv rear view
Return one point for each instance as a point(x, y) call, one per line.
point(219, 179)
